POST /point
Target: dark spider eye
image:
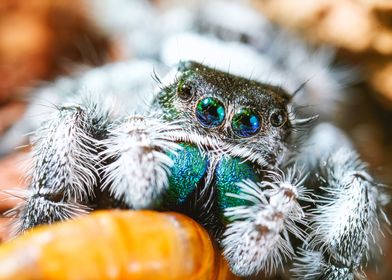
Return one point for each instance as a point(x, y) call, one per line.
point(278, 118)
point(246, 123)
point(185, 90)
point(210, 112)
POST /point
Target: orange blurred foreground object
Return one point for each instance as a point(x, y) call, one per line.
point(114, 245)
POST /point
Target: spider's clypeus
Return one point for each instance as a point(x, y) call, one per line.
point(224, 150)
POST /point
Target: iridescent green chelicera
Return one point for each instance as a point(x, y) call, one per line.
point(189, 167)
point(229, 172)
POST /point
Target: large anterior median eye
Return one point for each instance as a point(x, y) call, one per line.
point(210, 112)
point(246, 123)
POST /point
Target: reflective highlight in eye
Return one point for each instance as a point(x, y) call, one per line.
point(210, 112)
point(246, 123)
point(278, 118)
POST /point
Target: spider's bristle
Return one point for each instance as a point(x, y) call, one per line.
point(308, 264)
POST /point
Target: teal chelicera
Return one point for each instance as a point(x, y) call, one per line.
point(191, 167)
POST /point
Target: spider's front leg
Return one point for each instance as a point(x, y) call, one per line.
point(137, 162)
point(347, 220)
point(65, 165)
point(257, 237)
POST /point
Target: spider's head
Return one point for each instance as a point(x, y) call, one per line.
point(224, 113)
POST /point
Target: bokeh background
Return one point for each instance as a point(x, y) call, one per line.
point(43, 39)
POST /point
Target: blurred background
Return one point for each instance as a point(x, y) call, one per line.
point(41, 40)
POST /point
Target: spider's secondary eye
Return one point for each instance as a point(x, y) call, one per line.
point(278, 118)
point(246, 123)
point(210, 112)
point(185, 90)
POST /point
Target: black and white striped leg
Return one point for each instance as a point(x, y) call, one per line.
point(347, 219)
point(65, 165)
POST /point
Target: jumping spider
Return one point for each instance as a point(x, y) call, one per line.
point(226, 151)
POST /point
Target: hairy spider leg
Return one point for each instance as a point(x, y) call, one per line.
point(347, 220)
point(65, 165)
